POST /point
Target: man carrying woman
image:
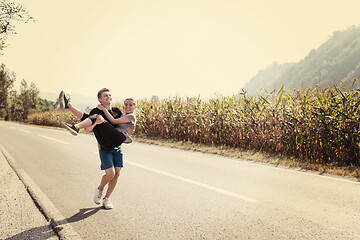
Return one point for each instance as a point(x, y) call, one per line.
point(106, 125)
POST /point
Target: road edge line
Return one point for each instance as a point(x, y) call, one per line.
point(58, 223)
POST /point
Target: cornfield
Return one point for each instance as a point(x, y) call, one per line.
point(318, 125)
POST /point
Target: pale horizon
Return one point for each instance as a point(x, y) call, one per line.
point(166, 48)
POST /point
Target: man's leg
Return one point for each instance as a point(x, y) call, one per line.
point(110, 179)
point(109, 175)
point(113, 182)
point(117, 157)
point(107, 165)
point(117, 160)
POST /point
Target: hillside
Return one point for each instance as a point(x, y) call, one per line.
point(336, 59)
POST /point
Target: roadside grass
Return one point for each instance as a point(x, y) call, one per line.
point(254, 156)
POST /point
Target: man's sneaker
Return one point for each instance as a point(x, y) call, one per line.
point(71, 128)
point(107, 204)
point(97, 196)
point(63, 100)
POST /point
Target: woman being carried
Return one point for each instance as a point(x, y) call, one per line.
point(109, 135)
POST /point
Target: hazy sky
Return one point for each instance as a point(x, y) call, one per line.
point(141, 48)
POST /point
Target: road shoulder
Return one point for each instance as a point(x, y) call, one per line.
point(20, 217)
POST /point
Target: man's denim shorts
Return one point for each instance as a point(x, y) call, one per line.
point(111, 158)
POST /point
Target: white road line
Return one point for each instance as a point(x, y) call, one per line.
point(53, 139)
point(24, 131)
point(219, 190)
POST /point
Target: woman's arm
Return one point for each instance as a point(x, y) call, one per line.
point(113, 120)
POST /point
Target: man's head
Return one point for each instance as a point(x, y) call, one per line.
point(104, 97)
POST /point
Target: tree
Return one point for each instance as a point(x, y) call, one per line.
point(6, 83)
point(28, 97)
point(44, 105)
point(10, 12)
point(15, 106)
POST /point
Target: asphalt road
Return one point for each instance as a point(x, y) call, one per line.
point(174, 194)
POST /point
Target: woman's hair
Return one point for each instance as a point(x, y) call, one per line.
point(130, 99)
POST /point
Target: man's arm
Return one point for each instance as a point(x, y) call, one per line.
point(99, 120)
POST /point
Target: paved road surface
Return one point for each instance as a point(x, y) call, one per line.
point(173, 194)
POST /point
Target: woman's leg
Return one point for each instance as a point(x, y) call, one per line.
point(79, 114)
point(87, 122)
point(64, 102)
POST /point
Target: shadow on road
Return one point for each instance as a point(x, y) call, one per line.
point(82, 214)
point(46, 232)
